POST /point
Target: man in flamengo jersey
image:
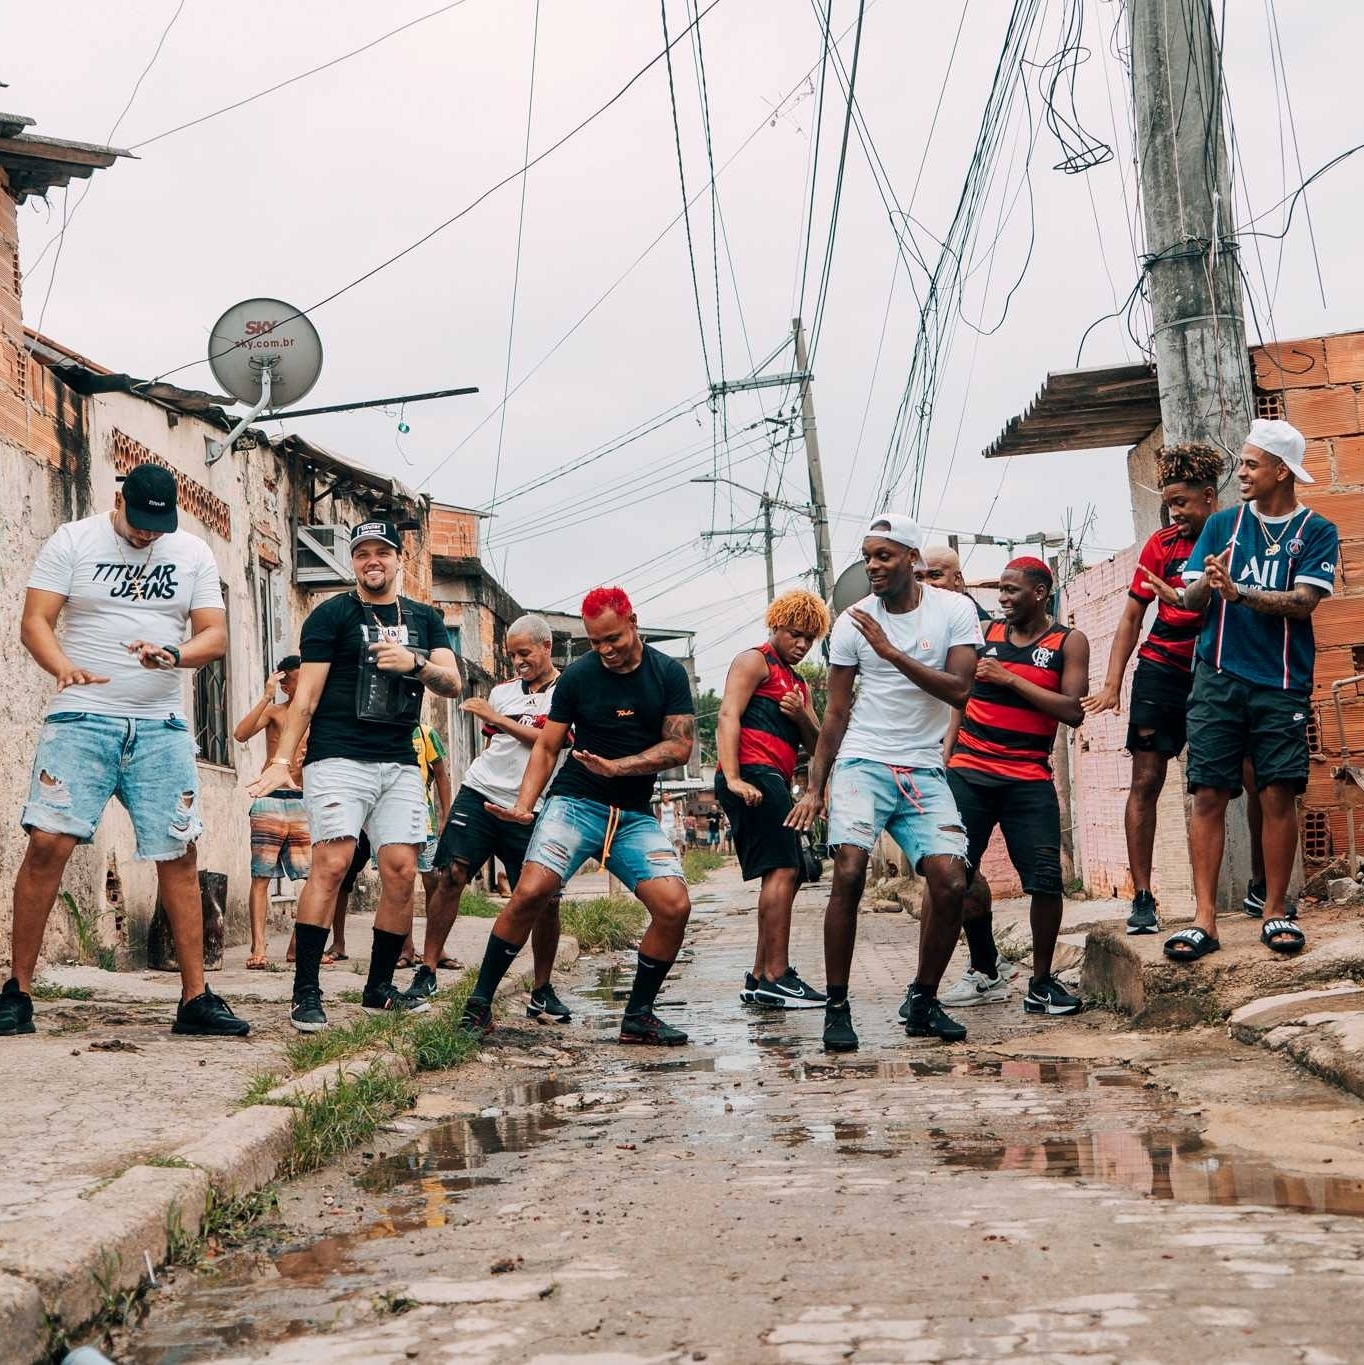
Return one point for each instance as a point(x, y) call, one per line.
point(1157, 727)
point(914, 649)
point(1030, 677)
point(1259, 569)
point(765, 716)
point(632, 715)
point(513, 716)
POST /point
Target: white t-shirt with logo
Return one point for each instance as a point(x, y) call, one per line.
point(498, 770)
point(99, 573)
point(894, 721)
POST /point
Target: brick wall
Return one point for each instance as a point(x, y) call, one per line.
point(454, 532)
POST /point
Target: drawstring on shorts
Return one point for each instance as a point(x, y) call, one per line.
point(912, 794)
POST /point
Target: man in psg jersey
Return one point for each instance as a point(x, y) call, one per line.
point(1259, 570)
point(631, 712)
point(1030, 677)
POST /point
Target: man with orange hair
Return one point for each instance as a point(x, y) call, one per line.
point(632, 715)
point(765, 718)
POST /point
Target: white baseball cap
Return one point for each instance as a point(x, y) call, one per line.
point(1282, 440)
point(895, 526)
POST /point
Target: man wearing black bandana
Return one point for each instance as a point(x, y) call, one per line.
point(368, 655)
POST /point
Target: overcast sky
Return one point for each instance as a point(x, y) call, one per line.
point(301, 192)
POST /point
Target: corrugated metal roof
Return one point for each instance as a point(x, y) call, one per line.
point(1117, 405)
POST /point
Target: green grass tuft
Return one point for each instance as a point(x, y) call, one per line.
point(435, 1041)
point(259, 1086)
point(699, 863)
point(604, 923)
point(334, 1044)
point(47, 990)
point(338, 1117)
point(478, 904)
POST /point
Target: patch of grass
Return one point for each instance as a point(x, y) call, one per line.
point(88, 948)
point(350, 997)
point(604, 923)
point(699, 863)
point(259, 1086)
point(227, 1217)
point(333, 1044)
point(177, 1163)
point(47, 990)
point(435, 1041)
point(340, 1116)
point(478, 904)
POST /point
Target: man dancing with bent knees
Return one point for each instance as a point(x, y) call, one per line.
point(631, 712)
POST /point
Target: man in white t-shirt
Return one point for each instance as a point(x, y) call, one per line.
point(126, 584)
point(913, 647)
point(513, 716)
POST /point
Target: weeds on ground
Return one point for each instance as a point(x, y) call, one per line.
point(47, 990)
point(88, 947)
point(699, 863)
point(436, 1041)
point(340, 1116)
point(604, 923)
point(478, 904)
point(334, 1044)
point(259, 1086)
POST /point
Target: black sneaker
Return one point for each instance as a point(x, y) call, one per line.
point(209, 1016)
point(307, 1015)
point(1143, 920)
point(16, 1010)
point(1254, 903)
point(788, 992)
point(388, 999)
point(839, 1034)
point(477, 1017)
point(545, 1004)
point(928, 1019)
point(649, 1029)
point(750, 985)
point(423, 982)
point(1049, 996)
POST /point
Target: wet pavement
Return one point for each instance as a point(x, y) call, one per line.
point(751, 1198)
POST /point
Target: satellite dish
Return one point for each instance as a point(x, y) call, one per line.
point(257, 334)
point(850, 588)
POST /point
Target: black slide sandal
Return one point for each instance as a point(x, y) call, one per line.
point(1273, 932)
point(1188, 945)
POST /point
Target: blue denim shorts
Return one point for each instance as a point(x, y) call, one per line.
point(83, 759)
point(569, 831)
point(914, 806)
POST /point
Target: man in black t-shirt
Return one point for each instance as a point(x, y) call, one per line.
point(368, 656)
point(631, 712)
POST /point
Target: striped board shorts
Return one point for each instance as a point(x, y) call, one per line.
point(280, 846)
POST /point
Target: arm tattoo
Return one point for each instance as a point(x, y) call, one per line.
point(679, 735)
point(1296, 604)
point(444, 682)
point(1197, 594)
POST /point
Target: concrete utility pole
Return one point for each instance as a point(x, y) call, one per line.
point(1206, 390)
point(824, 555)
point(766, 503)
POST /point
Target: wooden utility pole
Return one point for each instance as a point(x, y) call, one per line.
point(824, 555)
point(1199, 335)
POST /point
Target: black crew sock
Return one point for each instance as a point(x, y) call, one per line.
point(648, 979)
point(838, 995)
point(498, 957)
point(383, 958)
point(980, 939)
point(310, 942)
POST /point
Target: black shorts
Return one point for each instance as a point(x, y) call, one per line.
point(762, 842)
point(357, 864)
point(1030, 816)
point(1231, 720)
point(473, 834)
point(1160, 704)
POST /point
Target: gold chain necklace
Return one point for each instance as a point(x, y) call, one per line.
point(1272, 543)
point(140, 580)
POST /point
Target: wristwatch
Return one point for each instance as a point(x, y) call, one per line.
point(174, 653)
point(421, 657)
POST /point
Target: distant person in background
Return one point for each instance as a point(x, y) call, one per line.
point(280, 846)
point(672, 829)
point(430, 750)
point(689, 826)
point(713, 829)
point(940, 567)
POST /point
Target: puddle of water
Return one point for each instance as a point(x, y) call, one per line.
point(1165, 1165)
point(1064, 1074)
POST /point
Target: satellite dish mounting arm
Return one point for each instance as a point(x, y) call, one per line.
point(217, 449)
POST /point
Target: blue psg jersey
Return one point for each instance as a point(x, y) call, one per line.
point(1273, 554)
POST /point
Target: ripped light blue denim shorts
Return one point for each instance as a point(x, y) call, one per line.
point(570, 830)
point(83, 759)
point(914, 806)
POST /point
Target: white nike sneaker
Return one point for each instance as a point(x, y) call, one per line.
point(975, 988)
point(1006, 970)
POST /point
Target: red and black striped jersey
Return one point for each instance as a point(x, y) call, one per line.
point(766, 734)
point(1174, 633)
point(1003, 736)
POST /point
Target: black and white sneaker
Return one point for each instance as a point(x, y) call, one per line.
point(208, 1016)
point(307, 1015)
point(1049, 996)
point(928, 1019)
point(750, 985)
point(423, 982)
point(1254, 902)
point(545, 1004)
point(1143, 919)
point(388, 999)
point(788, 992)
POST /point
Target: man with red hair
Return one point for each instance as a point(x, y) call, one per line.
point(632, 715)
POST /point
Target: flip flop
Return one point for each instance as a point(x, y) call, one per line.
point(450, 964)
point(1188, 945)
point(257, 964)
point(340, 957)
point(328, 960)
point(403, 963)
point(1282, 936)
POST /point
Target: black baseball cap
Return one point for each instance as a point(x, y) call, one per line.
point(149, 494)
point(385, 531)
